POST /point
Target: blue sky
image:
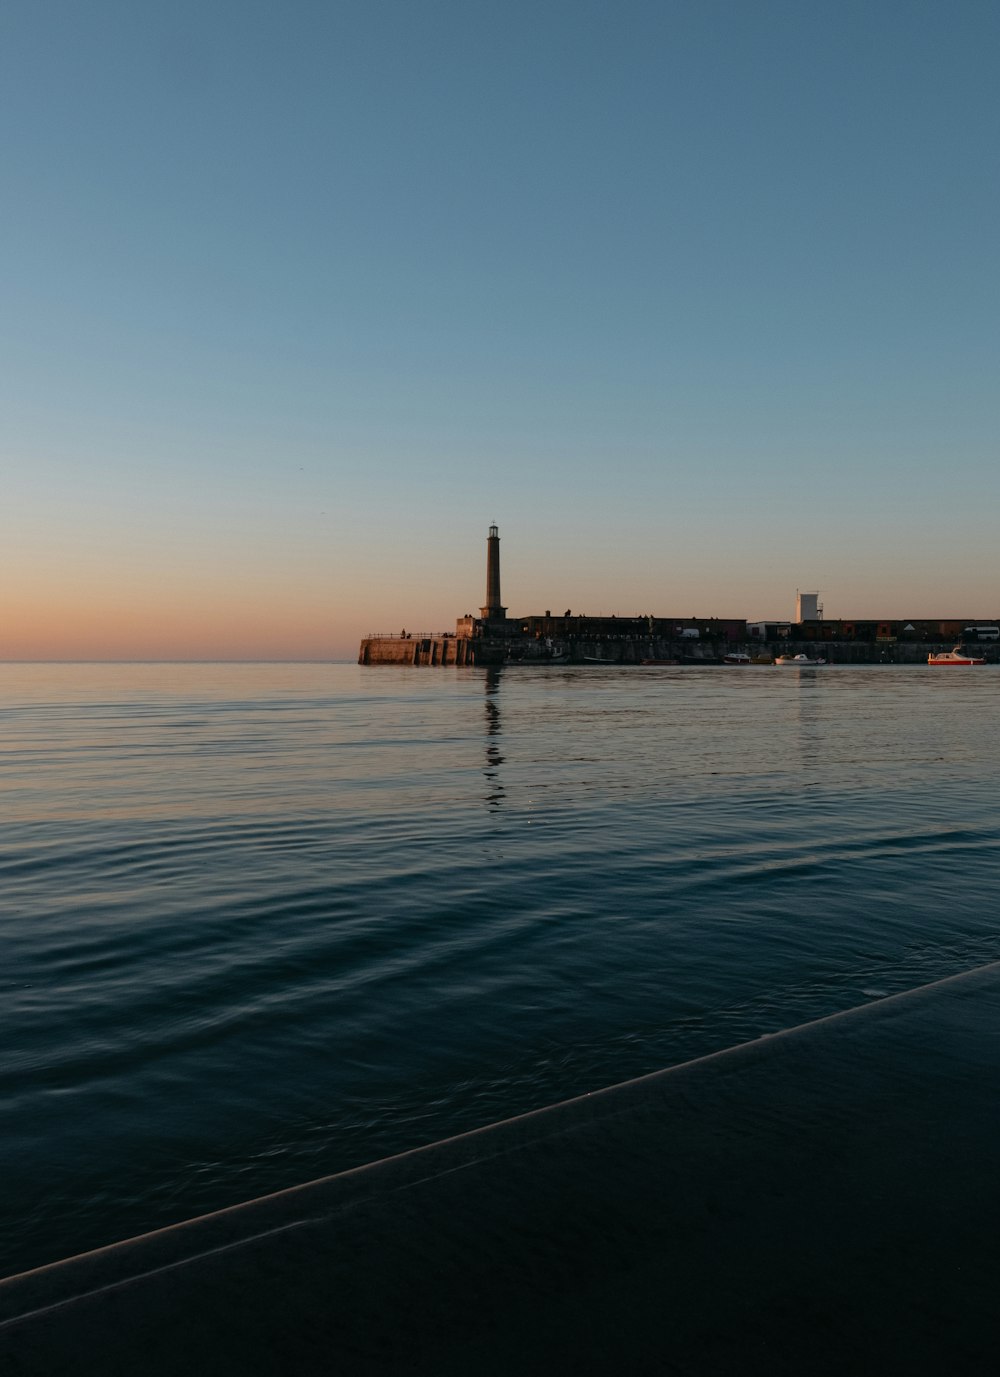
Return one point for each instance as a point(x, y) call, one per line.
point(698, 301)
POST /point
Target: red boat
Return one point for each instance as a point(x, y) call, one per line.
point(956, 657)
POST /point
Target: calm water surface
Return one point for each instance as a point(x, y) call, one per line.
point(264, 922)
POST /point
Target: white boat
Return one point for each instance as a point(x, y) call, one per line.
point(798, 660)
point(956, 657)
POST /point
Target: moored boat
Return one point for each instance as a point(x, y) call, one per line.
point(799, 660)
point(736, 658)
point(956, 657)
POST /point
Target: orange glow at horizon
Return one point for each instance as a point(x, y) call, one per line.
point(143, 623)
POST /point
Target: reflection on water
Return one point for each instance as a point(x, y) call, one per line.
point(809, 688)
point(494, 759)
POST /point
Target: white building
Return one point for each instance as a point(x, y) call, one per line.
point(807, 607)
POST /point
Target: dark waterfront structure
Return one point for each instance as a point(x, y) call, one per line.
point(819, 1202)
point(493, 638)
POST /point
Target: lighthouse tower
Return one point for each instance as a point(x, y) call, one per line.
point(493, 612)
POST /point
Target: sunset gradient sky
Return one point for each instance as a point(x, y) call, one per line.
point(697, 299)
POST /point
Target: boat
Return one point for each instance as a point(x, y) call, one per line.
point(799, 660)
point(956, 657)
point(599, 660)
point(736, 658)
point(659, 662)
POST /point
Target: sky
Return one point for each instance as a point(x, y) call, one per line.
point(696, 299)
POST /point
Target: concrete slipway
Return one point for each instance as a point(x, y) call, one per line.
point(823, 1201)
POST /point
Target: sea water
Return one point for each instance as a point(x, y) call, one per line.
point(265, 922)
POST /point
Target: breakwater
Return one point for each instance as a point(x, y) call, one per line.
point(494, 638)
point(432, 649)
point(443, 649)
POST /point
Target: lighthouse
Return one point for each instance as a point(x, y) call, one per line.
point(493, 611)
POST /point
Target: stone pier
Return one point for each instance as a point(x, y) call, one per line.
point(430, 650)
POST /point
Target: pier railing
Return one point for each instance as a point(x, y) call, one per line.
point(410, 636)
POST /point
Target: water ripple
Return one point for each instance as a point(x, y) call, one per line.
point(266, 921)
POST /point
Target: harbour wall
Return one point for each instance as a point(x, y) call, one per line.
point(433, 650)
